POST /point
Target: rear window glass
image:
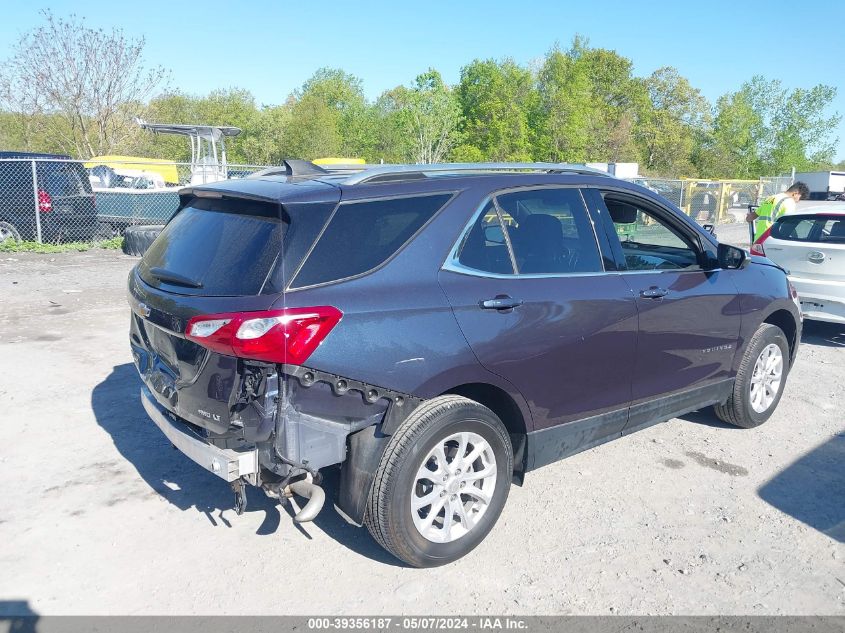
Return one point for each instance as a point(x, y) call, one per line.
point(226, 247)
point(63, 179)
point(363, 235)
point(810, 228)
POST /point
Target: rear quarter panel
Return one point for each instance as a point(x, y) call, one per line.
point(398, 330)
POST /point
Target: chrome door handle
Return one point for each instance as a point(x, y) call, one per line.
point(654, 293)
point(501, 302)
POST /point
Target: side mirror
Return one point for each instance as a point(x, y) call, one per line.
point(731, 257)
point(621, 212)
point(710, 228)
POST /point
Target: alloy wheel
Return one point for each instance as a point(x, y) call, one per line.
point(766, 378)
point(453, 487)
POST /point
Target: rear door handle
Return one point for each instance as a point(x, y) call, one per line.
point(654, 293)
point(501, 302)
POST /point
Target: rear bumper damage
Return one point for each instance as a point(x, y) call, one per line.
point(226, 463)
point(284, 424)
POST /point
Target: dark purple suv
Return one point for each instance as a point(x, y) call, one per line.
point(439, 331)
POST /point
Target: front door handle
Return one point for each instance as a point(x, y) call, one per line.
point(654, 293)
point(501, 302)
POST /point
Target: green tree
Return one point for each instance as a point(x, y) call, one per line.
point(587, 106)
point(419, 124)
point(79, 85)
point(330, 117)
point(562, 125)
point(496, 99)
point(802, 131)
point(732, 147)
point(313, 130)
point(670, 123)
point(764, 129)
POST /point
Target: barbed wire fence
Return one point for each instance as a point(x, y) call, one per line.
point(53, 200)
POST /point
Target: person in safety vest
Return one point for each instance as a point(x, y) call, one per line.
point(773, 207)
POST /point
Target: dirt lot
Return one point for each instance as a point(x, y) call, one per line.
point(101, 515)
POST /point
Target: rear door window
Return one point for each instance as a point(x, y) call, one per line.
point(550, 232)
point(361, 236)
point(810, 228)
point(547, 231)
point(216, 248)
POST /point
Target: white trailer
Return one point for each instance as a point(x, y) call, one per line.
point(824, 185)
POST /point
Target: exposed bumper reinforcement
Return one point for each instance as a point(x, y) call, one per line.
point(223, 462)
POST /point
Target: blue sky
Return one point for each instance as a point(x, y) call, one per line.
point(271, 47)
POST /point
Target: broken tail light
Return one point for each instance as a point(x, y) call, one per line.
point(289, 335)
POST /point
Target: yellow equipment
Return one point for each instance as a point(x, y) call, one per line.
point(332, 160)
point(166, 168)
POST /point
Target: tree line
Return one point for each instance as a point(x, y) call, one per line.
point(71, 89)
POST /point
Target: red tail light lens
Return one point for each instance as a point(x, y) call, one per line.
point(757, 246)
point(45, 202)
point(287, 336)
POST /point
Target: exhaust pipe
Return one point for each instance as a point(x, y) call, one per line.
point(316, 498)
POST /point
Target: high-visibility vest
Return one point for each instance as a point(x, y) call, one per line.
point(770, 210)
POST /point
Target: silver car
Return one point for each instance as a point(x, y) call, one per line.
point(810, 245)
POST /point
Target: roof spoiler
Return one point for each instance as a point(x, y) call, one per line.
point(292, 167)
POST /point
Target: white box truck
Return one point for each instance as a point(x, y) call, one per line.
point(824, 185)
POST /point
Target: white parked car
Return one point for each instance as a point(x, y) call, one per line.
point(810, 245)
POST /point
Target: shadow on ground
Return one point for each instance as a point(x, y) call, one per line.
point(707, 417)
point(118, 410)
point(812, 489)
point(16, 616)
point(824, 334)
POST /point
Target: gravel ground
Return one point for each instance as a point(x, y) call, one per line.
point(102, 516)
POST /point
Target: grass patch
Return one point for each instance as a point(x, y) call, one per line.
point(11, 246)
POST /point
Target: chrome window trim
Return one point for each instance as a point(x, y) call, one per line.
point(453, 264)
point(666, 270)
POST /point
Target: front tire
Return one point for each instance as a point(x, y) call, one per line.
point(441, 483)
point(760, 380)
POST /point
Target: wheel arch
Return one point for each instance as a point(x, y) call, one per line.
point(506, 409)
point(785, 320)
point(365, 447)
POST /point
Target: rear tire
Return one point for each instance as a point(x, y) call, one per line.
point(455, 453)
point(9, 232)
point(760, 380)
point(137, 239)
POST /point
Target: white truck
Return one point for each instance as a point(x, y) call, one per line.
point(824, 185)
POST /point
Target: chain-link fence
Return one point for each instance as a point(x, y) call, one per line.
point(774, 185)
point(55, 200)
point(49, 199)
point(715, 201)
